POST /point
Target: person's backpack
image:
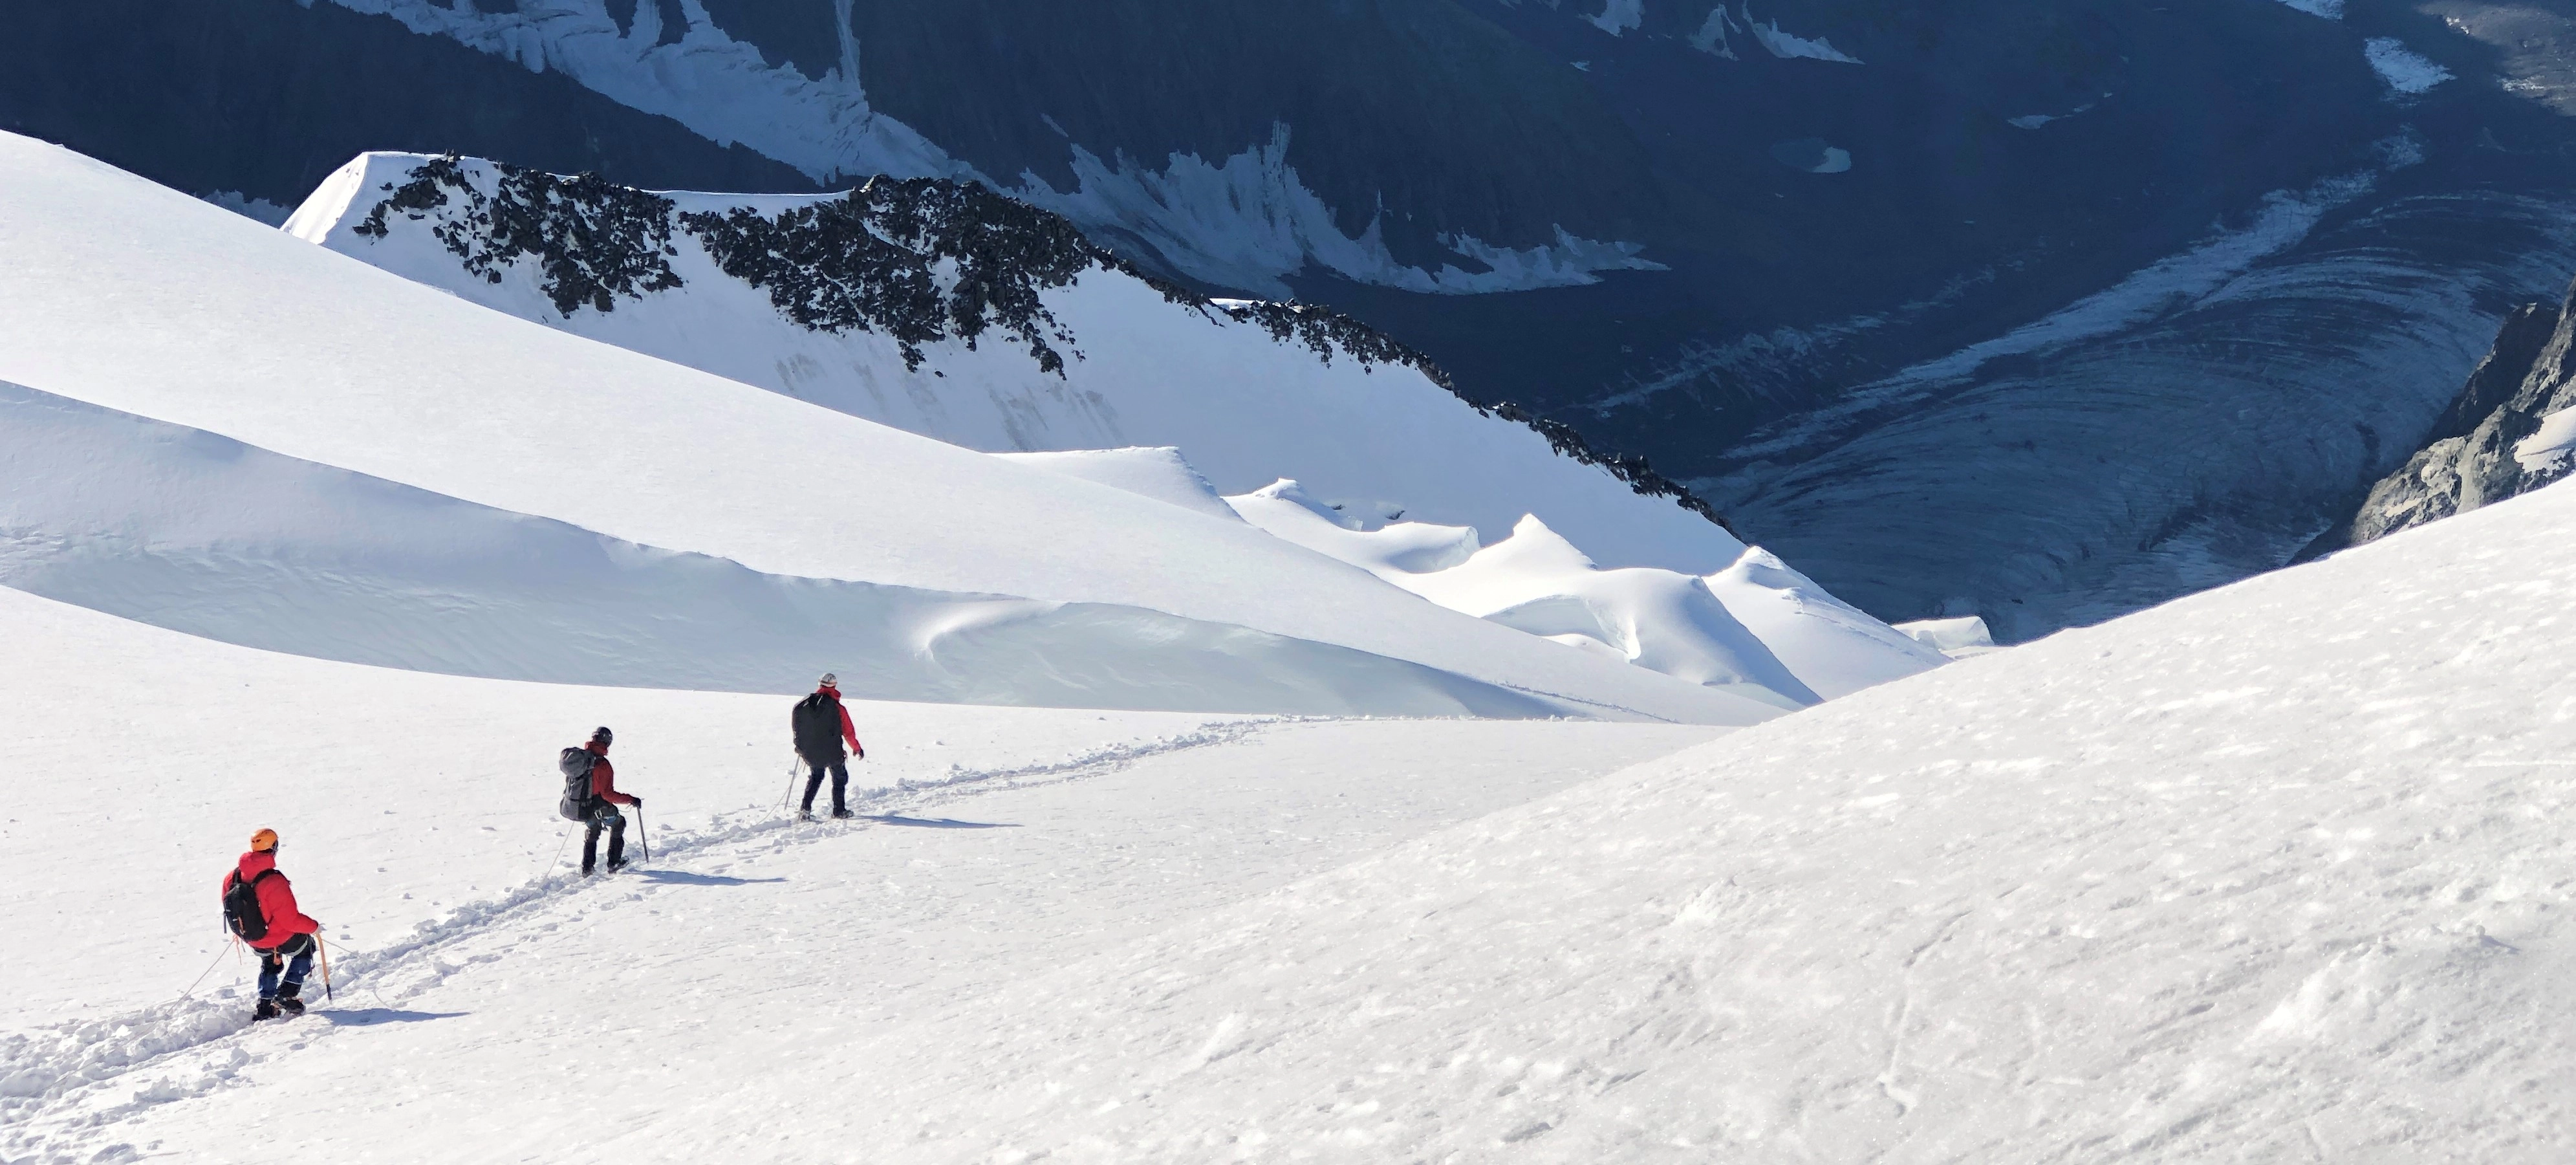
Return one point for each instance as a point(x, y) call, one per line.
point(241, 906)
point(577, 801)
point(817, 721)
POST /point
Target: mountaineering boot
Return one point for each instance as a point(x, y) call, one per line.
point(288, 1002)
point(267, 1009)
point(616, 864)
point(842, 815)
point(804, 815)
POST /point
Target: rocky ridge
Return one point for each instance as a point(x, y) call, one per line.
point(921, 260)
point(2470, 458)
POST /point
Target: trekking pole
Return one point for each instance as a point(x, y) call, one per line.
point(323, 953)
point(640, 840)
point(792, 774)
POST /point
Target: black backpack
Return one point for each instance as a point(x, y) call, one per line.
point(577, 801)
point(817, 721)
point(241, 906)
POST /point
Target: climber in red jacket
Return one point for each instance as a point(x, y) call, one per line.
point(259, 908)
point(602, 812)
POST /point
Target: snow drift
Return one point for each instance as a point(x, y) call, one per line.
point(1757, 622)
point(141, 300)
point(202, 534)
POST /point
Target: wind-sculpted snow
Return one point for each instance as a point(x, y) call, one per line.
point(1755, 623)
point(186, 530)
point(265, 340)
point(881, 303)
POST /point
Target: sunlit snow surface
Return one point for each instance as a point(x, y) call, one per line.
point(126, 297)
point(1756, 623)
point(2275, 872)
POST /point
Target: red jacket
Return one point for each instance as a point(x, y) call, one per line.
point(276, 900)
point(848, 732)
point(603, 777)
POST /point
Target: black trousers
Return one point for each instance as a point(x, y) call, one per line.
point(840, 770)
point(605, 817)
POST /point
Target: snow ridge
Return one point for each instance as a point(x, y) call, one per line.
point(920, 260)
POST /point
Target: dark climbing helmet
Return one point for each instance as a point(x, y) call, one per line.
point(602, 735)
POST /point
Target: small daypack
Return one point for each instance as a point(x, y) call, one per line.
point(577, 801)
point(241, 906)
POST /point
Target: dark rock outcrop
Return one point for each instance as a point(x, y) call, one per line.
point(922, 260)
point(2469, 460)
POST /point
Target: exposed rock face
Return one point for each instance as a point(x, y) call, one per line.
point(2471, 460)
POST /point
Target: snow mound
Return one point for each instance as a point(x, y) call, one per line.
point(1756, 623)
point(1160, 473)
point(1074, 352)
point(1957, 638)
point(143, 301)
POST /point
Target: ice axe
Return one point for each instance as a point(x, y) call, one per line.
point(323, 953)
point(640, 840)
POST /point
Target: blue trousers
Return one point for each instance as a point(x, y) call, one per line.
point(294, 958)
point(840, 770)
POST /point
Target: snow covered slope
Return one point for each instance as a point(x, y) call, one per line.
point(138, 299)
point(203, 534)
point(2276, 872)
point(418, 817)
point(954, 313)
point(1755, 622)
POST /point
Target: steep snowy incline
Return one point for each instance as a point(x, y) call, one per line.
point(958, 314)
point(2276, 872)
point(140, 299)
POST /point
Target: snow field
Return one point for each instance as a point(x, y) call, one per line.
point(746, 942)
point(141, 759)
point(126, 296)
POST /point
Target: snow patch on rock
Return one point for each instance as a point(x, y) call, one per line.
point(1243, 222)
point(1788, 46)
point(2406, 71)
point(1618, 16)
